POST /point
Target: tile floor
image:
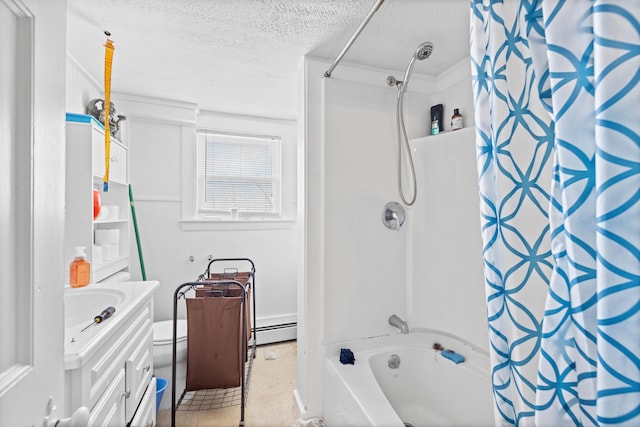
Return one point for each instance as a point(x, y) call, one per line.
point(269, 402)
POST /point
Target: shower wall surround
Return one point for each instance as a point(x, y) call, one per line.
point(354, 272)
point(447, 287)
point(365, 271)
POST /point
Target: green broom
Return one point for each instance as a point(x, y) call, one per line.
point(135, 227)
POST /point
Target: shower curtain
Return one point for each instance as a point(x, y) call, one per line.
point(557, 107)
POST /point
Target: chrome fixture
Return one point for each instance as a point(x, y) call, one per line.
point(399, 323)
point(393, 216)
point(355, 35)
point(394, 361)
point(422, 52)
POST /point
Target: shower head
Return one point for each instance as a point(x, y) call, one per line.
point(424, 51)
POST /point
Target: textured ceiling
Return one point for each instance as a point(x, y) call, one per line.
point(242, 56)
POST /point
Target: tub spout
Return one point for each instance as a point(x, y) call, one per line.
point(399, 323)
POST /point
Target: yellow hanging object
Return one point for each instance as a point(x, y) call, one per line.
point(108, 60)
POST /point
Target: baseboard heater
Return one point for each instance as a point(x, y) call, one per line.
point(276, 333)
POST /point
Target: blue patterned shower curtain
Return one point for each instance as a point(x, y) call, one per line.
point(557, 109)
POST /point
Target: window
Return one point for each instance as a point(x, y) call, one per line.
point(238, 174)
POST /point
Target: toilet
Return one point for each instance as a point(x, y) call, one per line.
point(162, 356)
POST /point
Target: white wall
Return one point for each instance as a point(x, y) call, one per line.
point(160, 135)
point(454, 90)
point(81, 87)
point(161, 165)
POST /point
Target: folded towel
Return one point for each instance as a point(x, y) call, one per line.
point(346, 357)
point(454, 357)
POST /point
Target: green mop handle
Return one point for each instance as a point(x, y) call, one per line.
point(135, 227)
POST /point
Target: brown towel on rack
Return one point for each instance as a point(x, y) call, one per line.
point(214, 349)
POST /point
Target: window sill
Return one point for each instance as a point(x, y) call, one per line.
point(236, 224)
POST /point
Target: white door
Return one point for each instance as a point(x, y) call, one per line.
point(32, 149)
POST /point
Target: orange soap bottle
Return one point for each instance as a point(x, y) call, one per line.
point(80, 269)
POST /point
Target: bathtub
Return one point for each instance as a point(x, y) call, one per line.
point(425, 390)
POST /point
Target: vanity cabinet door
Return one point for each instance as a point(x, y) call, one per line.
point(118, 163)
point(110, 409)
point(139, 369)
point(111, 358)
point(146, 413)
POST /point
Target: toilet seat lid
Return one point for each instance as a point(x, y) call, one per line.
point(163, 331)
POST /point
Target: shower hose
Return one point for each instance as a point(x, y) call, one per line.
point(403, 140)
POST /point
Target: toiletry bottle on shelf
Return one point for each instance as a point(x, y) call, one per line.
point(456, 120)
point(435, 127)
point(79, 270)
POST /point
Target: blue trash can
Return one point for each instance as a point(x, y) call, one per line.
point(161, 385)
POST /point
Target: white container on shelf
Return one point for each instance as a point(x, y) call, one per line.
point(114, 212)
point(107, 236)
point(106, 252)
point(104, 213)
point(114, 250)
point(97, 254)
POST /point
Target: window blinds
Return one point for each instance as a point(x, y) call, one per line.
point(238, 171)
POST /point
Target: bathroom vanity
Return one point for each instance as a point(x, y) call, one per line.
point(109, 365)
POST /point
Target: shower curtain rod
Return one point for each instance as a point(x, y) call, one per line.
point(353, 38)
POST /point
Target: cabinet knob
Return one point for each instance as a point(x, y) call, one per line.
point(113, 159)
point(127, 394)
point(147, 368)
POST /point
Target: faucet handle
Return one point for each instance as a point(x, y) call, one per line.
point(393, 216)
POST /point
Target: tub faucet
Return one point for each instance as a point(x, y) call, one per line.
point(399, 323)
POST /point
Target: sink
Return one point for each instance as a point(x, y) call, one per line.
point(108, 366)
point(83, 304)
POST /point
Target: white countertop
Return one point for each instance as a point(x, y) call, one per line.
point(80, 346)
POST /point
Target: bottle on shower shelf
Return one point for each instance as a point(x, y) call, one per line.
point(437, 119)
point(456, 120)
point(435, 126)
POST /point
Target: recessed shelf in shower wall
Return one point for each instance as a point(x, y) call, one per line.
point(443, 137)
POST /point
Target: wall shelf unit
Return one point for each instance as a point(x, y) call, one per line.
point(106, 239)
point(443, 137)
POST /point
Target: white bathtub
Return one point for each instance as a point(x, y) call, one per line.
point(425, 390)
